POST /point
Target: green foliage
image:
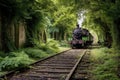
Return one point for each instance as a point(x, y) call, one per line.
point(64, 21)
point(98, 54)
point(40, 16)
point(106, 71)
point(40, 50)
point(106, 15)
point(1, 59)
point(109, 76)
point(22, 58)
point(51, 46)
point(15, 60)
point(105, 64)
point(36, 53)
point(2, 73)
point(53, 43)
point(64, 44)
point(2, 54)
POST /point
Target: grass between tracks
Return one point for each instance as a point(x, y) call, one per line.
point(104, 64)
point(23, 57)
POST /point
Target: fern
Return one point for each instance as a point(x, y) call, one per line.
point(1, 59)
point(18, 61)
point(2, 54)
point(51, 46)
point(35, 53)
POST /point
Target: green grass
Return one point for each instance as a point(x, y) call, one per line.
point(104, 64)
point(63, 48)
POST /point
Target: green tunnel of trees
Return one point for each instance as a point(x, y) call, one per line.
point(23, 22)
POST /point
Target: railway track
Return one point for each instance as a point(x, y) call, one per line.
point(59, 67)
point(82, 71)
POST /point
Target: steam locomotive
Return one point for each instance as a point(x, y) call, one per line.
point(81, 38)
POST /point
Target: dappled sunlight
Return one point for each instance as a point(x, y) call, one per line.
point(95, 36)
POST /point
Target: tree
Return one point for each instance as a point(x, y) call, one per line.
point(106, 14)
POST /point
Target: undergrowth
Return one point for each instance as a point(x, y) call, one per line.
point(51, 46)
point(23, 57)
point(104, 62)
point(15, 60)
point(65, 44)
point(35, 53)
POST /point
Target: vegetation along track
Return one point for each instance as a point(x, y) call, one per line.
point(59, 67)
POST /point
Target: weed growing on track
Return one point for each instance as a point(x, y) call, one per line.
point(104, 64)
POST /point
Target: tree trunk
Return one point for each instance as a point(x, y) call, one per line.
point(57, 36)
point(116, 34)
point(42, 36)
point(45, 36)
point(4, 33)
point(22, 35)
point(0, 31)
point(65, 37)
point(16, 35)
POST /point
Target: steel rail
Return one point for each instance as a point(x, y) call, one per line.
point(75, 66)
point(13, 71)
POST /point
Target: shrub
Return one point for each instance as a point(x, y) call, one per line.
point(65, 44)
point(51, 46)
point(16, 60)
point(35, 53)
